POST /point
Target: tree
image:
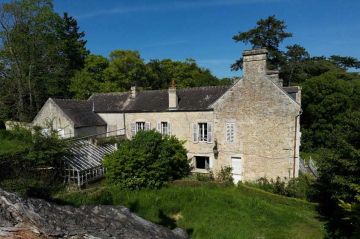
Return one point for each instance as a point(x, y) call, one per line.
point(39, 51)
point(126, 68)
point(331, 128)
point(149, 160)
point(91, 78)
point(185, 73)
point(268, 33)
point(293, 68)
point(74, 49)
point(345, 62)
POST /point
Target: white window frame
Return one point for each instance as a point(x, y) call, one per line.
point(203, 131)
point(164, 128)
point(139, 125)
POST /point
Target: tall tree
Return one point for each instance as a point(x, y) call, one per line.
point(345, 62)
point(186, 74)
point(31, 52)
point(74, 49)
point(126, 68)
point(292, 69)
point(89, 79)
point(268, 33)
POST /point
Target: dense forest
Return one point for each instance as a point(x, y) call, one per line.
point(43, 54)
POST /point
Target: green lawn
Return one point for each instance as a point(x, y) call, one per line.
point(213, 211)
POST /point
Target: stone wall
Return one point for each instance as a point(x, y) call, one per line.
point(181, 127)
point(51, 114)
point(115, 122)
point(264, 117)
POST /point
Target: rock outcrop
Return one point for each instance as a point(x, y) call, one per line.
point(37, 218)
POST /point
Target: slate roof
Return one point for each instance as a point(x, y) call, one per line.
point(291, 90)
point(190, 99)
point(80, 112)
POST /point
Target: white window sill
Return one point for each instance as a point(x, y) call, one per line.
point(200, 170)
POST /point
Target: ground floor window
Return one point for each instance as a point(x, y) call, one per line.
point(164, 128)
point(202, 162)
point(140, 126)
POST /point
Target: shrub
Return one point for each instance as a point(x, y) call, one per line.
point(205, 177)
point(149, 160)
point(225, 175)
point(34, 164)
point(300, 187)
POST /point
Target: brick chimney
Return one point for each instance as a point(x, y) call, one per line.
point(254, 63)
point(173, 99)
point(133, 92)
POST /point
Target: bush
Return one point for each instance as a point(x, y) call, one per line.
point(149, 160)
point(34, 164)
point(300, 187)
point(225, 175)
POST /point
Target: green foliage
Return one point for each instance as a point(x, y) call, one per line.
point(213, 211)
point(300, 187)
point(268, 33)
point(185, 74)
point(331, 110)
point(225, 175)
point(35, 164)
point(89, 79)
point(149, 160)
point(338, 190)
point(39, 52)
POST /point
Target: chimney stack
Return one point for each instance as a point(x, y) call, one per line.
point(274, 77)
point(254, 63)
point(133, 92)
point(173, 99)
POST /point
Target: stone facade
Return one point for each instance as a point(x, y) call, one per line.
point(51, 115)
point(252, 126)
point(264, 117)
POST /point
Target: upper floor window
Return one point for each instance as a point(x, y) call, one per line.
point(202, 132)
point(139, 125)
point(230, 132)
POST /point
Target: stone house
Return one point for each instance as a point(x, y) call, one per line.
point(252, 125)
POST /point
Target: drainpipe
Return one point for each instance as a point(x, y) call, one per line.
point(295, 140)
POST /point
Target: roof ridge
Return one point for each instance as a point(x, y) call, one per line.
point(70, 100)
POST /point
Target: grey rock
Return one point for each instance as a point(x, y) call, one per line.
point(56, 221)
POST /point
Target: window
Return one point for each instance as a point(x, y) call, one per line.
point(230, 132)
point(164, 128)
point(203, 132)
point(140, 126)
point(202, 162)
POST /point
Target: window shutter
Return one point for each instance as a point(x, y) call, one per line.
point(195, 133)
point(133, 129)
point(147, 125)
point(159, 127)
point(169, 128)
point(209, 133)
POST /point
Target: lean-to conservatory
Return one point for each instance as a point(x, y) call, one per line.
point(84, 164)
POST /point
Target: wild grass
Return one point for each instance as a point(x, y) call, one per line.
point(208, 210)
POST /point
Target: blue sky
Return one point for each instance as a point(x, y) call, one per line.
point(203, 29)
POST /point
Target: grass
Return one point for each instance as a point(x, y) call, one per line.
point(208, 210)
